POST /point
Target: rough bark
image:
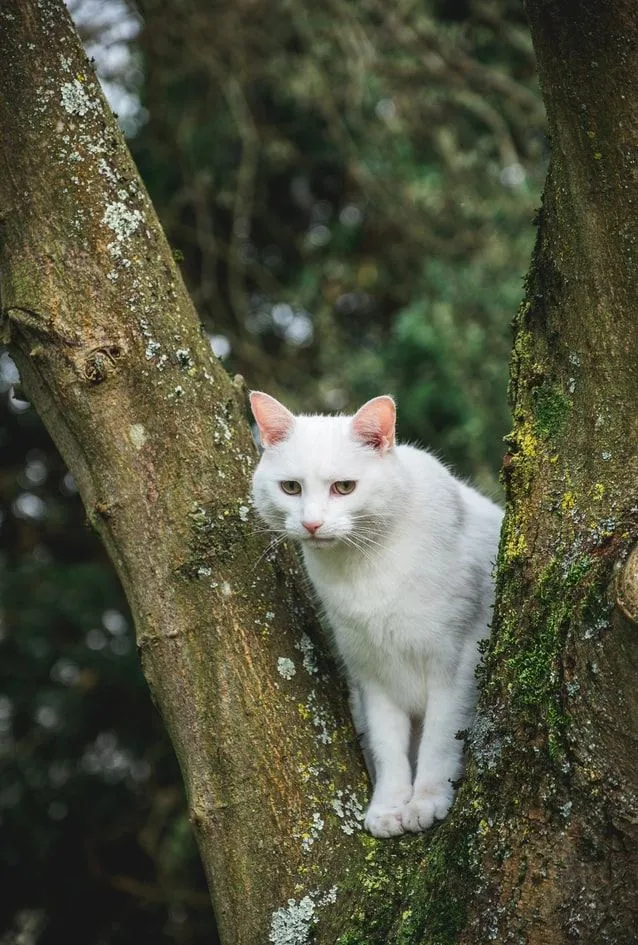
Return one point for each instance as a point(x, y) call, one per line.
point(551, 852)
point(541, 845)
point(113, 358)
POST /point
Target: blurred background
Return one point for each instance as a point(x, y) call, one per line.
point(348, 187)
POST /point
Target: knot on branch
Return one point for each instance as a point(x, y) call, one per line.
point(627, 587)
point(100, 362)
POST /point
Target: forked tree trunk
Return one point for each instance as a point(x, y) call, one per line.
point(541, 845)
point(114, 360)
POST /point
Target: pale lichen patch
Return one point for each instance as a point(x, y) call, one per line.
point(320, 719)
point(184, 358)
point(307, 649)
point(106, 171)
point(292, 924)
point(285, 667)
point(137, 435)
point(349, 810)
point(121, 219)
point(75, 100)
point(329, 898)
point(308, 772)
point(152, 349)
point(224, 431)
point(313, 832)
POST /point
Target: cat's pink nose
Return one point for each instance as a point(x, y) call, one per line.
point(312, 527)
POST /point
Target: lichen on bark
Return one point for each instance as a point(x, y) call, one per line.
point(113, 358)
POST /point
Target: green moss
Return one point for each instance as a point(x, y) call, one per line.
point(514, 543)
point(350, 938)
point(521, 358)
point(550, 408)
point(525, 450)
point(386, 867)
point(438, 905)
point(414, 904)
point(216, 535)
point(530, 641)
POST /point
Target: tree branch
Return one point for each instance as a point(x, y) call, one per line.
point(155, 435)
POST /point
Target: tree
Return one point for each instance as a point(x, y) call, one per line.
point(111, 356)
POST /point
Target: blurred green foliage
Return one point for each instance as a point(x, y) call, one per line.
point(349, 188)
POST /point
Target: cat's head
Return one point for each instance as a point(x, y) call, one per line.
point(326, 480)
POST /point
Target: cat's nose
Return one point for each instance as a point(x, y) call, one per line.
point(312, 527)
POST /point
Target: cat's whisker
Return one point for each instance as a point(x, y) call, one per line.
point(277, 540)
point(371, 542)
point(266, 530)
point(360, 537)
point(350, 540)
point(364, 517)
point(370, 539)
point(366, 525)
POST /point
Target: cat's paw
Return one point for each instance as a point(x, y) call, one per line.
point(385, 819)
point(426, 807)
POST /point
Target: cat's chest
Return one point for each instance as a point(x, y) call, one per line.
point(386, 636)
point(387, 626)
point(359, 604)
point(374, 607)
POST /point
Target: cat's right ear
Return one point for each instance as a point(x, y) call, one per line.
point(374, 423)
point(272, 418)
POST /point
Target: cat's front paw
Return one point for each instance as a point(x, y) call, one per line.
point(426, 807)
point(384, 822)
point(385, 818)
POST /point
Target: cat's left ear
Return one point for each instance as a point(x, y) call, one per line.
point(374, 423)
point(273, 419)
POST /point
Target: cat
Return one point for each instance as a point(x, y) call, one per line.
point(400, 555)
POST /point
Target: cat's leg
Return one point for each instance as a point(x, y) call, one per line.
point(357, 711)
point(388, 729)
point(450, 706)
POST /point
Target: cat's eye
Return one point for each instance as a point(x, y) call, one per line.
point(344, 486)
point(290, 487)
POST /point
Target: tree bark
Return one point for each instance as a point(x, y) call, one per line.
point(541, 844)
point(113, 358)
point(550, 853)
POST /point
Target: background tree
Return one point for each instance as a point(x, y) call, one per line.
point(325, 212)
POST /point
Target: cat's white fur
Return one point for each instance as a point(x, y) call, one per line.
point(402, 568)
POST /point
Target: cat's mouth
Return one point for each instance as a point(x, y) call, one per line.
point(320, 539)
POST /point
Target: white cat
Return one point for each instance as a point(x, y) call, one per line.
point(400, 554)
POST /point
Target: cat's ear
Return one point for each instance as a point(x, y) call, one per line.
point(273, 419)
point(374, 423)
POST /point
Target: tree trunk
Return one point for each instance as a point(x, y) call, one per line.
point(550, 853)
point(113, 358)
point(541, 845)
